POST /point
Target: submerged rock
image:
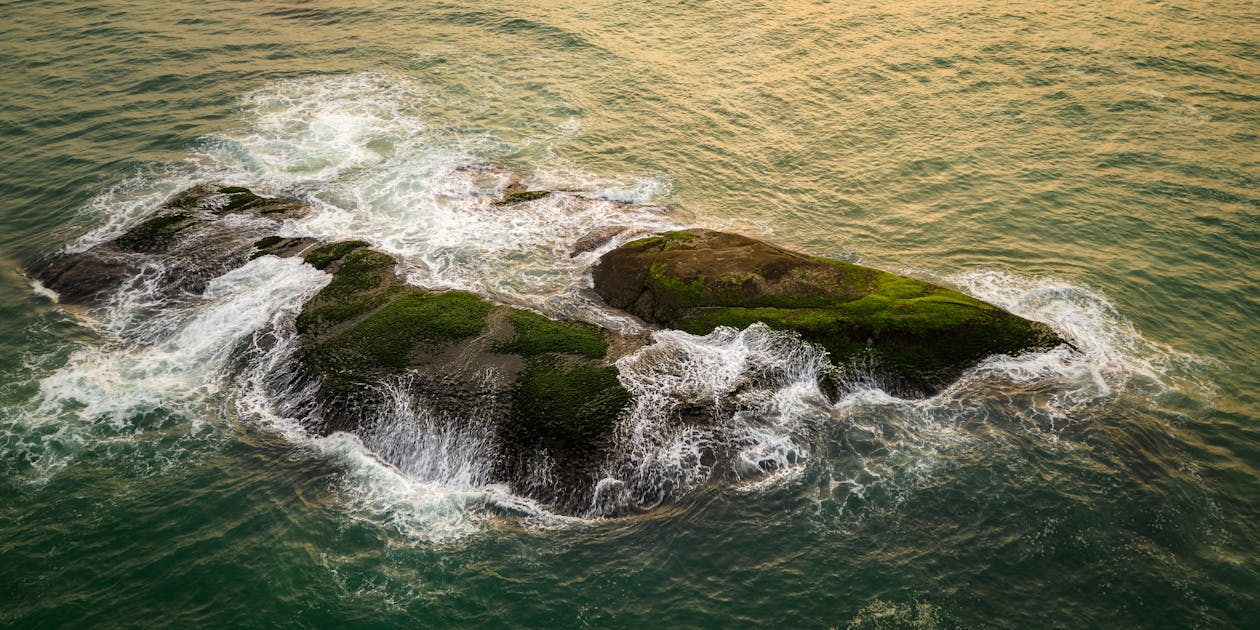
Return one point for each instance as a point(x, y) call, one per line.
point(596, 239)
point(921, 336)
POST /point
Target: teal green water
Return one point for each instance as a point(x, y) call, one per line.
point(1096, 166)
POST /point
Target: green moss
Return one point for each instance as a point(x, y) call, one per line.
point(536, 335)
point(360, 270)
point(924, 340)
point(560, 400)
point(387, 339)
point(228, 190)
point(361, 284)
point(566, 405)
point(156, 233)
point(520, 197)
point(321, 257)
point(330, 314)
point(923, 333)
point(873, 315)
point(267, 242)
point(693, 292)
point(676, 238)
point(665, 242)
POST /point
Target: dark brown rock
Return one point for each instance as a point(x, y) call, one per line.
point(920, 336)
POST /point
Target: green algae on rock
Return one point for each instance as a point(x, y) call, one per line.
point(920, 334)
point(155, 234)
point(158, 233)
point(563, 404)
point(546, 389)
point(221, 199)
point(566, 393)
point(537, 335)
point(187, 232)
point(522, 196)
point(551, 379)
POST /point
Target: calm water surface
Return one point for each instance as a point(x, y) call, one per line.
point(1092, 165)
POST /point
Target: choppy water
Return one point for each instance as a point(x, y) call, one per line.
point(1092, 166)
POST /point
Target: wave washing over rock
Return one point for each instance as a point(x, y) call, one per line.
point(215, 330)
point(590, 420)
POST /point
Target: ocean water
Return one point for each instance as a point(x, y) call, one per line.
point(1092, 165)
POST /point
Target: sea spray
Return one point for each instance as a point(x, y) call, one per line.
point(360, 149)
point(1111, 354)
point(159, 358)
point(432, 446)
point(749, 395)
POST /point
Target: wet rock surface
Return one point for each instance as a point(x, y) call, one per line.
point(920, 336)
point(546, 392)
point(547, 388)
point(196, 236)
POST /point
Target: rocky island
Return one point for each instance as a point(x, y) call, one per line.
point(550, 386)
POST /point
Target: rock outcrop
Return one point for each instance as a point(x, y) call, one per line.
point(920, 336)
point(549, 389)
point(196, 236)
point(549, 384)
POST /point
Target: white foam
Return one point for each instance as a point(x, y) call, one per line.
point(783, 424)
point(624, 188)
point(437, 492)
point(39, 289)
point(125, 204)
point(363, 148)
point(169, 362)
point(766, 382)
point(315, 130)
point(422, 509)
point(113, 380)
point(429, 446)
point(1112, 351)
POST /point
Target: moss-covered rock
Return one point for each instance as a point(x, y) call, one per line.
point(363, 280)
point(282, 246)
point(159, 233)
point(522, 196)
point(221, 199)
point(546, 387)
point(156, 234)
point(406, 323)
point(565, 404)
point(188, 236)
point(567, 397)
point(535, 335)
point(325, 255)
point(556, 390)
point(922, 334)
